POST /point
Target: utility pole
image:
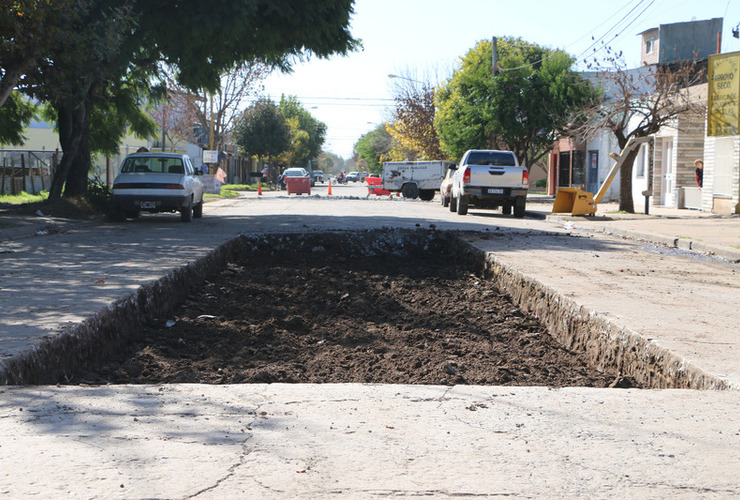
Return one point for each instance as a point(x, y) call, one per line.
point(494, 56)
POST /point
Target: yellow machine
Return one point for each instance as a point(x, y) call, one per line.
point(580, 202)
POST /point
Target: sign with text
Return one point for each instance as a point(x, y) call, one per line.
point(723, 103)
point(210, 156)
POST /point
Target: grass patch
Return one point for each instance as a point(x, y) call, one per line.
point(20, 199)
point(239, 187)
point(229, 191)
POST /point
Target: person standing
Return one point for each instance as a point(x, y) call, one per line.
point(699, 172)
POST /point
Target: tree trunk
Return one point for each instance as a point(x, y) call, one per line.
point(626, 204)
point(70, 177)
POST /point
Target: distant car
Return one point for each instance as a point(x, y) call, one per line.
point(364, 175)
point(318, 176)
point(353, 176)
point(157, 182)
point(446, 186)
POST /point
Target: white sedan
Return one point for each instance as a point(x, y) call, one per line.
point(157, 182)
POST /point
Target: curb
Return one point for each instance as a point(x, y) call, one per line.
point(723, 252)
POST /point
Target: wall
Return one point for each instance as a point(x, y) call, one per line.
point(686, 41)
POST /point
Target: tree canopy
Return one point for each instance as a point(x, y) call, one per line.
point(412, 123)
point(93, 48)
point(263, 131)
point(520, 108)
point(374, 148)
point(307, 133)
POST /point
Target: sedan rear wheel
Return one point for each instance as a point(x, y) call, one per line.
point(198, 210)
point(186, 213)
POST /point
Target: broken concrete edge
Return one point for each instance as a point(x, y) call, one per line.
point(112, 327)
point(605, 343)
point(118, 324)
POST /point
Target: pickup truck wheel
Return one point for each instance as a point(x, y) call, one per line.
point(445, 200)
point(426, 194)
point(453, 204)
point(506, 209)
point(410, 191)
point(462, 205)
point(520, 208)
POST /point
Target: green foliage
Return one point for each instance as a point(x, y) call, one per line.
point(520, 109)
point(263, 131)
point(307, 133)
point(374, 148)
point(15, 116)
point(99, 195)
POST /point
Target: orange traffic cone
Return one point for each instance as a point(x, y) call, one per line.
point(329, 192)
point(259, 189)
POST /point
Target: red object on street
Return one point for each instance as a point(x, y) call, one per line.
point(298, 185)
point(374, 186)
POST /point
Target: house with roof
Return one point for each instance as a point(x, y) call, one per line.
point(663, 172)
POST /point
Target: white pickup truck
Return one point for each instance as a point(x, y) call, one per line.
point(488, 178)
point(414, 179)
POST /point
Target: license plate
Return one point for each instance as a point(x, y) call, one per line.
point(147, 204)
point(495, 191)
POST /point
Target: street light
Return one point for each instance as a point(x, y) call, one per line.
point(405, 78)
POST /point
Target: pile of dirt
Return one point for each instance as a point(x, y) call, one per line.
point(313, 317)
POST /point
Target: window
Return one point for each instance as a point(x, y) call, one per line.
point(649, 45)
point(723, 148)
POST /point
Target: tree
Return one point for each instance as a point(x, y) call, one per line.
point(638, 103)
point(214, 114)
point(29, 29)
point(307, 133)
point(15, 115)
point(111, 39)
point(374, 148)
point(519, 108)
point(412, 123)
point(263, 131)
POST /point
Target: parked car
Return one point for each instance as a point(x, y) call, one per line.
point(157, 182)
point(318, 176)
point(353, 176)
point(446, 186)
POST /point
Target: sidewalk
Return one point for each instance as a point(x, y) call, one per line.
point(718, 235)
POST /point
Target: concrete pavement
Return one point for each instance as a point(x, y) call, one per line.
point(359, 441)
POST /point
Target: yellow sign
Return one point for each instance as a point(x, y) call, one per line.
point(724, 94)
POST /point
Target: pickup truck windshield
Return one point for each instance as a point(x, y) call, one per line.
point(491, 158)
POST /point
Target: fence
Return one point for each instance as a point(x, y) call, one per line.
point(26, 170)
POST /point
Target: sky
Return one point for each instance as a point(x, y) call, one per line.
point(425, 40)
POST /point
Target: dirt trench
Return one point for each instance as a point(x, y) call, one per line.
point(317, 313)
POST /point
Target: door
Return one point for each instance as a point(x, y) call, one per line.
point(669, 174)
point(592, 174)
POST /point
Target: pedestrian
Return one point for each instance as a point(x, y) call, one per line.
point(699, 172)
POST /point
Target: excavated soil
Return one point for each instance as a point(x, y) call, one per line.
point(311, 316)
